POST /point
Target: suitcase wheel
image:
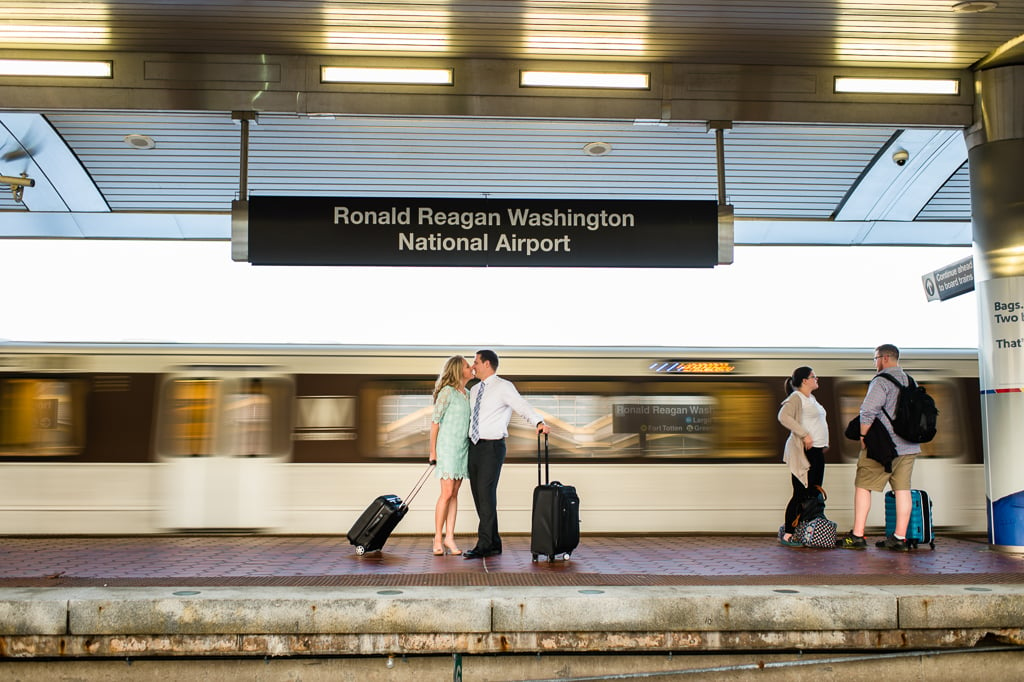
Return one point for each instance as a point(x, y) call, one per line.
point(360, 550)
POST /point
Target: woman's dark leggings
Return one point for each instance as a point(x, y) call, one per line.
point(816, 456)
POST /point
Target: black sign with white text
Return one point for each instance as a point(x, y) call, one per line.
point(669, 418)
point(482, 232)
point(951, 281)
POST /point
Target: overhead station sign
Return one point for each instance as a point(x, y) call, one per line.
point(954, 279)
point(484, 232)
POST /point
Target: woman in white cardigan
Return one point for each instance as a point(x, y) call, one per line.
point(805, 448)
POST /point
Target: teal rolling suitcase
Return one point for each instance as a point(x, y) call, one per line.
point(920, 527)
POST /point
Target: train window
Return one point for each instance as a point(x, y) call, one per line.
point(42, 417)
point(950, 439)
point(325, 417)
point(245, 416)
point(188, 418)
point(604, 420)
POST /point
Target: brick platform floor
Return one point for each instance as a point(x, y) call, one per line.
point(171, 560)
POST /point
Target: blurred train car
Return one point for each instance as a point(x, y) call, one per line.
point(146, 438)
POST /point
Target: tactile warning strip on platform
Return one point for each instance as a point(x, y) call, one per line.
point(261, 560)
point(514, 580)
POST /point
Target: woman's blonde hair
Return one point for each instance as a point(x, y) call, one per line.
point(451, 374)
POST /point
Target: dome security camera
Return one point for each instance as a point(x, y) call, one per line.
point(900, 157)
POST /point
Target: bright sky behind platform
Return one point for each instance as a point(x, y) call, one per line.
point(191, 291)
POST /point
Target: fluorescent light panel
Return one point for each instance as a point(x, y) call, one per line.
point(22, 33)
point(898, 86)
point(580, 79)
point(351, 74)
point(39, 67)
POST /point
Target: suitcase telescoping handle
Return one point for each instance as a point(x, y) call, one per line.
point(419, 484)
point(547, 460)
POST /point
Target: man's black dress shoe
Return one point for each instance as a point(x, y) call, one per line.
point(473, 554)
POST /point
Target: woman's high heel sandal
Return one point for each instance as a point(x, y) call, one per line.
point(439, 550)
point(451, 549)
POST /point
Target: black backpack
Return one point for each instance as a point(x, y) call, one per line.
point(916, 413)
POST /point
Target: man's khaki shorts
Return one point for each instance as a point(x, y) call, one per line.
point(871, 475)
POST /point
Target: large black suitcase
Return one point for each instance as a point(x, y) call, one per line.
point(374, 526)
point(556, 514)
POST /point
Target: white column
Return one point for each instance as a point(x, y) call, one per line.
point(996, 145)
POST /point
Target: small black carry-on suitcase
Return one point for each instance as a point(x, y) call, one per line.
point(920, 529)
point(556, 514)
point(375, 524)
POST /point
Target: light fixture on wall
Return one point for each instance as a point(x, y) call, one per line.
point(584, 79)
point(17, 185)
point(597, 148)
point(897, 86)
point(54, 67)
point(353, 74)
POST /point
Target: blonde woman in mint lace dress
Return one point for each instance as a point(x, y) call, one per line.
point(449, 447)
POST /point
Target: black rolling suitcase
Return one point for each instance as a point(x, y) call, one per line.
point(374, 526)
point(556, 514)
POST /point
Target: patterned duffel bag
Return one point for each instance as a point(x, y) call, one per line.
point(819, 533)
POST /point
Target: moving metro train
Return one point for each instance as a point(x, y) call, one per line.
point(148, 438)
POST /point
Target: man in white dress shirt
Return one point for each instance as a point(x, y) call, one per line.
point(491, 401)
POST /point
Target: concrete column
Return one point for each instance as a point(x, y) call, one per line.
point(996, 154)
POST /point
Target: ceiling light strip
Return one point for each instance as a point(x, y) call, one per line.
point(347, 74)
point(898, 86)
point(583, 79)
point(70, 69)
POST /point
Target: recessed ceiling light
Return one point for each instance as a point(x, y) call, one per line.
point(350, 74)
point(898, 86)
point(582, 79)
point(597, 148)
point(54, 67)
point(136, 141)
point(975, 7)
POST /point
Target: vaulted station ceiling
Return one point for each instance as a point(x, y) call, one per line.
point(802, 164)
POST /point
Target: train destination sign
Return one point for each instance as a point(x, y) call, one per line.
point(664, 415)
point(482, 232)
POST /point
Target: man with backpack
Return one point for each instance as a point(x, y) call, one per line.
point(881, 403)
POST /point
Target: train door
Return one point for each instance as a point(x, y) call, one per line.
point(222, 438)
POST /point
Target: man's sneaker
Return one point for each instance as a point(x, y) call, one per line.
point(851, 541)
point(894, 543)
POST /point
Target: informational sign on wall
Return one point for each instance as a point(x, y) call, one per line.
point(482, 232)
